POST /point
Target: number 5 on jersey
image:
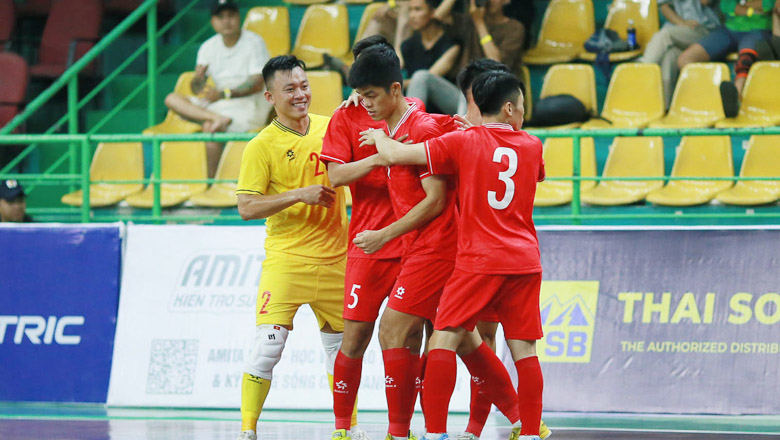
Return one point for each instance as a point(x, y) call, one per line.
point(504, 176)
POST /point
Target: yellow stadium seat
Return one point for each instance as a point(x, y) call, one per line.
point(112, 161)
point(697, 156)
point(634, 98)
point(273, 25)
point(760, 98)
point(567, 24)
point(558, 162)
point(645, 16)
point(577, 80)
point(368, 14)
point(629, 157)
point(323, 29)
point(696, 101)
point(762, 159)
point(178, 161)
point(305, 2)
point(174, 123)
point(326, 92)
point(223, 195)
point(528, 97)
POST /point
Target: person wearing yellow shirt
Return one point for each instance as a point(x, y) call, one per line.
point(283, 180)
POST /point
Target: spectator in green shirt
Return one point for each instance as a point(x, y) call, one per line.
point(747, 22)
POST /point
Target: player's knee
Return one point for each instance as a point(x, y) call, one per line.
point(267, 351)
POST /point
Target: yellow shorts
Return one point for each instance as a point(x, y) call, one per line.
point(287, 285)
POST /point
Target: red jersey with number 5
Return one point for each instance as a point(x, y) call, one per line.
point(497, 169)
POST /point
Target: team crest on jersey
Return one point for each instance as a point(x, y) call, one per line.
point(399, 293)
point(290, 154)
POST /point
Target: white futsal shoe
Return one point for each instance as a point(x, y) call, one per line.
point(247, 435)
point(359, 434)
point(466, 436)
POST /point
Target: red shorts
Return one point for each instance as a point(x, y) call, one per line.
point(367, 283)
point(515, 298)
point(489, 314)
point(419, 288)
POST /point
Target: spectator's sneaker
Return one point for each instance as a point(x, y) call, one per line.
point(466, 436)
point(340, 434)
point(729, 96)
point(544, 431)
point(247, 435)
point(359, 434)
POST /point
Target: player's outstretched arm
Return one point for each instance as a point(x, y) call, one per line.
point(394, 152)
point(258, 206)
point(346, 173)
point(432, 205)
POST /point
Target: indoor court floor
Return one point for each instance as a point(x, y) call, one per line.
point(95, 422)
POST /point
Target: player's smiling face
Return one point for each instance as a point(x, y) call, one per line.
point(290, 94)
point(379, 103)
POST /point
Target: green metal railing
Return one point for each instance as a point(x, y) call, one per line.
point(84, 142)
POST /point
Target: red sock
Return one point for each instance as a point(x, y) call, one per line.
point(493, 380)
point(421, 387)
point(417, 375)
point(478, 410)
point(529, 394)
point(346, 381)
point(399, 386)
point(439, 384)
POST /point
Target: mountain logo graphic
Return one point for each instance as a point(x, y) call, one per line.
point(568, 312)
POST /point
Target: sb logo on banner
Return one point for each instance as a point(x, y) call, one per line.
point(568, 310)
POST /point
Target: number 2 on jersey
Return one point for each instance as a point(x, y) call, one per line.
point(267, 296)
point(316, 158)
point(504, 176)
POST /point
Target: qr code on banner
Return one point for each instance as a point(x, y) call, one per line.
point(172, 366)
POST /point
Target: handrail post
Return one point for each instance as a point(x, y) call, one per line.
point(73, 121)
point(156, 175)
point(576, 207)
point(151, 37)
point(85, 204)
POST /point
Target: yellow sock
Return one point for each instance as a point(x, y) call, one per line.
point(354, 410)
point(254, 390)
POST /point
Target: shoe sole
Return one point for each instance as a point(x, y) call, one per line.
point(729, 98)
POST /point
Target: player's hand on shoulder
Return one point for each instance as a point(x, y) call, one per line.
point(352, 100)
point(370, 241)
point(462, 122)
point(318, 195)
point(371, 136)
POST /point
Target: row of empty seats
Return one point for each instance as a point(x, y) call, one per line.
point(635, 96)
point(697, 156)
point(701, 156)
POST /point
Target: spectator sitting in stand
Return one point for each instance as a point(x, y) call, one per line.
point(429, 55)
point(13, 207)
point(747, 23)
point(234, 59)
point(769, 50)
point(688, 21)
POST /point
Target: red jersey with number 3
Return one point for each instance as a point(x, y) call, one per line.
point(437, 238)
point(497, 169)
point(371, 208)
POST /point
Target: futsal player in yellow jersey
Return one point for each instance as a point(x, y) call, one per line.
point(282, 179)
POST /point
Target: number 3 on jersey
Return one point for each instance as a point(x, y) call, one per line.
point(504, 176)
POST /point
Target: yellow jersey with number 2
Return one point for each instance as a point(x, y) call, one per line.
point(278, 160)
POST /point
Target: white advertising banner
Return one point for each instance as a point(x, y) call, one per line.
point(186, 324)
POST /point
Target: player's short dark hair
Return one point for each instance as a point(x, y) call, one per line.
point(377, 66)
point(433, 4)
point(285, 63)
point(491, 90)
point(466, 76)
point(365, 43)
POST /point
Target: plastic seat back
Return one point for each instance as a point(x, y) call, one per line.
point(7, 21)
point(696, 96)
point(577, 80)
point(762, 159)
point(273, 25)
point(635, 157)
point(230, 162)
point(635, 95)
point(761, 95)
point(529, 96)
point(708, 156)
point(59, 31)
point(326, 92)
point(118, 161)
point(184, 161)
point(14, 78)
point(324, 28)
point(643, 12)
point(368, 13)
point(558, 160)
point(566, 24)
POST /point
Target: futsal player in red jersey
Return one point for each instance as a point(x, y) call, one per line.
point(426, 221)
point(369, 277)
point(497, 262)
